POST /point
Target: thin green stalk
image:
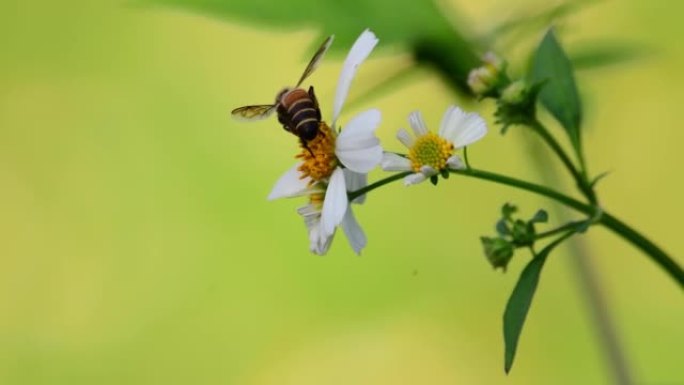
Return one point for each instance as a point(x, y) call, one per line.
point(617, 226)
point(579, 175)
point(465, 156)
point(529, 186)
point(355, 194)
point(583, 170)
point(539, 128)
point(560, 229)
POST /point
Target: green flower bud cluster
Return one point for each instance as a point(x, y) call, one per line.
point(512, 233)
point(517, 104)
point(488, 79)
point(515, 99)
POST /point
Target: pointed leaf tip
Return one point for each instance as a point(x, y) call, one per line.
point(559, 93)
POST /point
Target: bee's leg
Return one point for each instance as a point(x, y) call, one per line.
point(315, 101)
point(306, 146)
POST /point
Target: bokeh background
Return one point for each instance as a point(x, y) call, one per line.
point(138, 246)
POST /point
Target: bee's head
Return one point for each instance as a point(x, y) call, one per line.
point(282, 94)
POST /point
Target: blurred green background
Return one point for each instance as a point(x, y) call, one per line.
point(138, 246)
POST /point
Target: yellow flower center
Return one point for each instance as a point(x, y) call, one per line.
point(430, 150)
point(319, 160)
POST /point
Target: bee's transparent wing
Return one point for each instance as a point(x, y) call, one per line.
point(256, 112)
point(313, 64)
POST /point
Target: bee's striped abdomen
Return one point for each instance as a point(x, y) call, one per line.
point(301, 114)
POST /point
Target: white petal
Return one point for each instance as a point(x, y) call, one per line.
point(428, 171)
point(455, 163)
point(406, 139)
point(417, 123)
point(310, 213)
point(461, 128)
point(414, 179)
point(355, 236)
point(290, 184)
point(356, 146)
point(361, 161)
point(359, 132)
point(335, 202)
point(451, 119)
point(358, 53)
point(394, 162)
point(356, 143)
point(319, 243)
point(356, 181)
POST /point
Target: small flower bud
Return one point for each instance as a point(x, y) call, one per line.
point(493, 60)
point(523, 233)
point(516, 93)
point(516, 104)
point(498, 251)
point(480, 80)
point(483, 80)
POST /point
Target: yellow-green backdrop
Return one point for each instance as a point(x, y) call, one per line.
point(138, 247)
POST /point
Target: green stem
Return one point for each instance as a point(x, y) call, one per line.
point(355, 194)
point(579, 176)
point(539, 129)
point(560, 229)
point(643, 243)
point(617, 226)
point(583, 168)
point(465, 156)
point(529, 186)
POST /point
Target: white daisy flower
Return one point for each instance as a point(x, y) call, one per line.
point(429, 153)
point(335, 163)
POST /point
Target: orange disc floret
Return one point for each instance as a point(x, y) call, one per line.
point(319, 160)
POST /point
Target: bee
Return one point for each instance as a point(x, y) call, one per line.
point(297, 109)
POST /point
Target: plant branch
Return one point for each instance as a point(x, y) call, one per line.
point(355, 194)
point(560, 229)
point(620, 228)
point(579, 175)
point(617, 226)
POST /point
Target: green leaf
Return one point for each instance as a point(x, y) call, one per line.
point(519, 303)
point(559, 94)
